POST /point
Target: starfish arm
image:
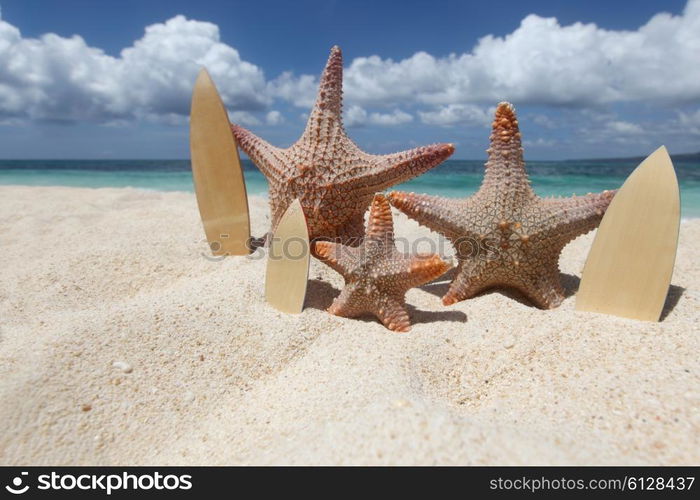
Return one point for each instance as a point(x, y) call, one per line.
point(392, 312)
point(423, 268)
point(571, 217)
point(340, 258)
point(506, 180)
point(539, 284)
point(381, 172)
point(265, 156)
point(438, 214)
point(505, 165)
point(543, 285)
point(404, 271)
point(346, 304)
point(326, 115)
point(380, 225)
point(467, 281)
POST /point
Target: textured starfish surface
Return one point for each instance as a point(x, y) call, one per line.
point(505, 235)
point(377, 276)
point(334, 180)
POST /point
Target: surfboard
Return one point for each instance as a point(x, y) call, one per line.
point(216, 170)
point(288, 262)
point(629, 267)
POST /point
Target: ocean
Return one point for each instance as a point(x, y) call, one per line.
point(454, 178)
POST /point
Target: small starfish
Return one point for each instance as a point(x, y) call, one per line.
point(505, 235)
point(377, 276)
point(334, 180)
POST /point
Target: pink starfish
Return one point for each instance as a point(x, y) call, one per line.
point(505, 235)
point(377, 276)
point(334, 180)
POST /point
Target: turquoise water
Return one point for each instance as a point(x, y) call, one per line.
point(455, 178)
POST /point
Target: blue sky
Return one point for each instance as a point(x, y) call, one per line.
point(111, 79)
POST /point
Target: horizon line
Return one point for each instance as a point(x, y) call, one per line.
point(609, 158)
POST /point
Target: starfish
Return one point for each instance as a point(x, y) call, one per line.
point(377, 276)
point(333, 179)
point(505, 235)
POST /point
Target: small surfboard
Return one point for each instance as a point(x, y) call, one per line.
point(628, 270)
point(288, 262)
point(216, 170)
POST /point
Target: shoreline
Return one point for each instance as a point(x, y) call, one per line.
point(262, 195)
point(122, 342)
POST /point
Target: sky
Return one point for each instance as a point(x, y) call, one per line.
point(113, 79)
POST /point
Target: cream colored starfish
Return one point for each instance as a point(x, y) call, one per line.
point(505, 235)
point(377, 276)
point(334, 180)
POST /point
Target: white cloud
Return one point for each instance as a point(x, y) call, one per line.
point(159, 69)
point(57, 78)
point(625, 128)
point(598, 115)
point(540, 142)
point(243, 118)
point(396, 117)
point(690, 119)
point(453, 114)
point(274, 117)
point(355, 116)
point(300, 91)
point(543, 121)
point(374, 80)
point(540, 62)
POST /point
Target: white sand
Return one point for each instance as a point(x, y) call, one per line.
point(121, 344)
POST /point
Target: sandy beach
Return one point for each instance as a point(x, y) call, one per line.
point(122, 342)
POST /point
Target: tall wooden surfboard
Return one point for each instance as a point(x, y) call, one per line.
point(628, 270)
point(288, 262)
point(217, 173)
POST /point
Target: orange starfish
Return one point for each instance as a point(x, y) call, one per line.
point(505, 235)
point(334, 180)
point(377, 276)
